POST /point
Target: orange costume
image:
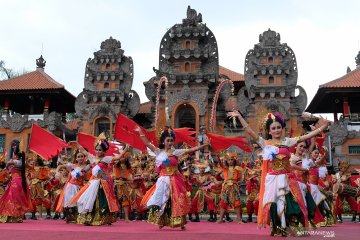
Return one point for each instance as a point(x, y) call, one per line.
point(40, 196)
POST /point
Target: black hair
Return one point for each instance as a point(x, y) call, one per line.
point(76, 153)
point(127, 164)
point(168, 132)
point(269, 121)
point(103, 144)
point(21, 155)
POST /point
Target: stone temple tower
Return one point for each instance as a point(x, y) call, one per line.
point(188, 58)
point(107, 90)
point(271, 75)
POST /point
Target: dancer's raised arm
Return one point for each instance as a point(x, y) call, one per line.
point(245, 125)
point(324, 123)
point(144, 139)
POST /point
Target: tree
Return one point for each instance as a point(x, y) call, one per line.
point(8, 72)
point(5, 71)
point(71, 116)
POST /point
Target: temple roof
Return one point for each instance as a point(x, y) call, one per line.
point(36, 80)
point(234, 76)
point(145, 107)
point(330, 96)
point(349, 80)
point(33, 88)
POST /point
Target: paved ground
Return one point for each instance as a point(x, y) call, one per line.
point(58, 229)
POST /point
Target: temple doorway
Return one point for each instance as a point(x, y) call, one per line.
point(185, 116)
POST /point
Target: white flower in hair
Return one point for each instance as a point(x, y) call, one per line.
point(269, 152)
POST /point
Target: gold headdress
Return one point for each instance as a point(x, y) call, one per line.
point(231, 155)
point(202, 165)
point(101, 137)
point(268, 116)
point(343, 164)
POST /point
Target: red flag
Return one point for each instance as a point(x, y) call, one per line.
point(124, 132)
point(88, 141)
point(151, 136)
point(219, 142)
point(45, 143)
point(186, 135)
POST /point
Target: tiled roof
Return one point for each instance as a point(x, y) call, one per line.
point(350, 80)
point(145, 107)
point(234, 76)
point(35, 80)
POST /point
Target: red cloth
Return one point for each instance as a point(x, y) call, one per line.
point(125, 132)
point(186, 135)
point(88, 141)
point(45, 143)
point(15, 202)
point(219, 142)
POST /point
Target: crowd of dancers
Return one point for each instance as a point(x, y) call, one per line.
point(287, 187)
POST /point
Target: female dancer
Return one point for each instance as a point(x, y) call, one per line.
point(301, 161)
point(281, 200)
point(167, 199)
point(75, 181)
point(96, 201)
point(15, 201)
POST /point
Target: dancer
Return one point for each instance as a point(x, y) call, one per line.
point(280, 196)
point(15, 201)
point(230, 192)
point(76, 180)
point(96, 201)
point(167, 199)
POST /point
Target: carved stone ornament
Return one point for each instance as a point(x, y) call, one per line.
point(276, 106)
point(197, 96)
point(16, 123)
point(338, 133)
point(80, 104)
point(52, 120)
point(192, 17)
point(301, 100)
point(110, 45)
point(269, 46)
point(269, 38)
point(40, 62)
point(133, 103)
point(103, 110)
point(243, 102)
point(172, 53)
point(150, 89)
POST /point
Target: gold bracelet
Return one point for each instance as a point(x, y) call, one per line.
point(142, 135)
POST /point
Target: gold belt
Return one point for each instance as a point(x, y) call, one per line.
point(169, 170)
point(279, 165)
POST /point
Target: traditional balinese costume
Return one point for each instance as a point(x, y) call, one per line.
point(167, 199)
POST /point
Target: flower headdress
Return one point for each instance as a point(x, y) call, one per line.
point(273, 116)
point(166, 132)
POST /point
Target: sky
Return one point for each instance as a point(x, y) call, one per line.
point(324, 34)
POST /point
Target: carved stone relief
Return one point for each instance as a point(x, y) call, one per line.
point(197, 96)
point(16, 123)
point(338, 134)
